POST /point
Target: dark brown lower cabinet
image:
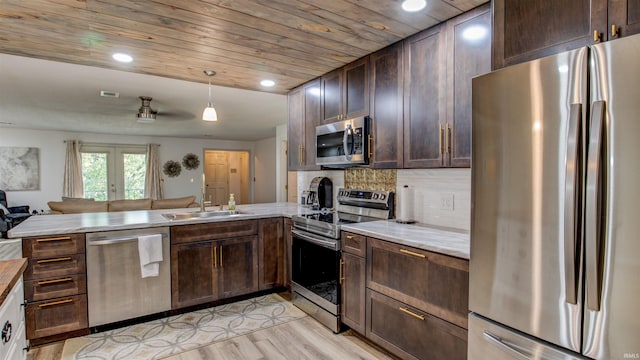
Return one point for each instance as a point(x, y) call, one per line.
point(288, 239)
point(271, 253)
point(193, 279)
point(56, 316)
point(210, 270)
point(353, 304)
point(238, 266)
point(410, 333)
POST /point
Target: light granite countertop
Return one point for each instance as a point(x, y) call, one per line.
point(107, 221)
point(448, 242)
point(443, 241)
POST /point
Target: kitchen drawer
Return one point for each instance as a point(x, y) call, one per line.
point(211, 231)
point(434, 283)
point(43, 289)
point(49, 246)
point(44, 268)
point(410, 333)
point(57, 316)
point(12, 324)
point(354, 244)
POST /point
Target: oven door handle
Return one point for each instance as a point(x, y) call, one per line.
point(316, 240)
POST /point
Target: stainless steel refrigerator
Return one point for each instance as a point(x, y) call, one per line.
point(555, 230)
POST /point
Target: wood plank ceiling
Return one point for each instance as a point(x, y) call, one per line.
point(244, 41)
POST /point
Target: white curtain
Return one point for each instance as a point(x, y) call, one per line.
point(153, 181)
point(72, 184)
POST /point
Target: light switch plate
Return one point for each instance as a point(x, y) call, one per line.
point(446, 201)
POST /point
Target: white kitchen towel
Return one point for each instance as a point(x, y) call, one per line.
point(150, 249)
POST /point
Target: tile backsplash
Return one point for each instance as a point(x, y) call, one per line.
point(442, 197)
point(370, 179)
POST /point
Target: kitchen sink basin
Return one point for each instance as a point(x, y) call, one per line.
point(193, 215)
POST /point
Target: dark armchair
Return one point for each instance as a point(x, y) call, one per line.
point(12, 216)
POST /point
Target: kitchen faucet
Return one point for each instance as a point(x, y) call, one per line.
point(203, 194)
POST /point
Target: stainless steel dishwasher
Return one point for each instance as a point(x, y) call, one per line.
point(115, 288)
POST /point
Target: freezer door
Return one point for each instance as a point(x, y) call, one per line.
point(488, 340)
point(526, 193)
point(612, 228)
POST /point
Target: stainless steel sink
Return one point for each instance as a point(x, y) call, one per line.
point(193, 215)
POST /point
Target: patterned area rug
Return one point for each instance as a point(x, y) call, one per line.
point(160, 338)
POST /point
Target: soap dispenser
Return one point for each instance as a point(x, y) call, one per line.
point(232, 203)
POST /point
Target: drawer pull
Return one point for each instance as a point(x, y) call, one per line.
point(413, 253)
point(53, 260)
point(349, 237)
point(54, 281)
point(66, 301)
point(407, 311)
point(62, 238)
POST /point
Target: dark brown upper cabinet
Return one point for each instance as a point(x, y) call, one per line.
point(624, 18)
point(439, 65)
point(304, 116)
point(527, 30)
point(468, 55)
point(386, 146)
point(424, 98)
point(345, 92)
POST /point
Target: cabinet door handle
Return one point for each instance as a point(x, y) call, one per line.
point(447, 140)
point(440, 136)
point(614, 30)
point(409, 312)
point(221, 256)
point(215, 257)
point(370, 139)
point(62, 238)
point(60, 302)
point(54, 281)
point(54, 260)
point(596, 36)
point(404, 251)
point(341, 272)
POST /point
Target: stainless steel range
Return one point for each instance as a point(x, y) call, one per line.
point(316, 250)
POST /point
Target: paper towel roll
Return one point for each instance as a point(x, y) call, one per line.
point(404, 213)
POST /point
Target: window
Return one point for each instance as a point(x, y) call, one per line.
point(111, 172)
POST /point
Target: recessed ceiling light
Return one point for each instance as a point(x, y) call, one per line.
point(122, 57)
point(413, 5)
point(267, 83)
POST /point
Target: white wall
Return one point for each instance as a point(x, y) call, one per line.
point(52, 154)
point(281, 164)
point(265, 170)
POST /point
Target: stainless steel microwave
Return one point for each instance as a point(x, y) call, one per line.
point(343, 143)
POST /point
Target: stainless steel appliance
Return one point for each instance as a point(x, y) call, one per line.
point(316, 251)
point(554, 232)
point(320, 194)
point(115, 288)
point(343, 143)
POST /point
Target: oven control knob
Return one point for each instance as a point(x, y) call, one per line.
point(375, 196)
point(382, 196)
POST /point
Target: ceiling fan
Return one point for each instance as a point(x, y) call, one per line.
point(148, 115)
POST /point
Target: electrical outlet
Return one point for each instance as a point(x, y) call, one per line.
point(446, 201)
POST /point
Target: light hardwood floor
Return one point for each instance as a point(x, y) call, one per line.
point(300, 339)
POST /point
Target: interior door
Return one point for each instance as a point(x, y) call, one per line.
point(217, 176)
point(523, 267)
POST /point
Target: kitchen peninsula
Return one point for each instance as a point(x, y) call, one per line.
point(254, 243)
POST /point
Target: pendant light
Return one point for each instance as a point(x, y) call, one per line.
point(209, 113)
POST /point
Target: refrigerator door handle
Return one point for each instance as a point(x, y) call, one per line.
point(509, 347)
point(571, 189)
point(594, 207)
